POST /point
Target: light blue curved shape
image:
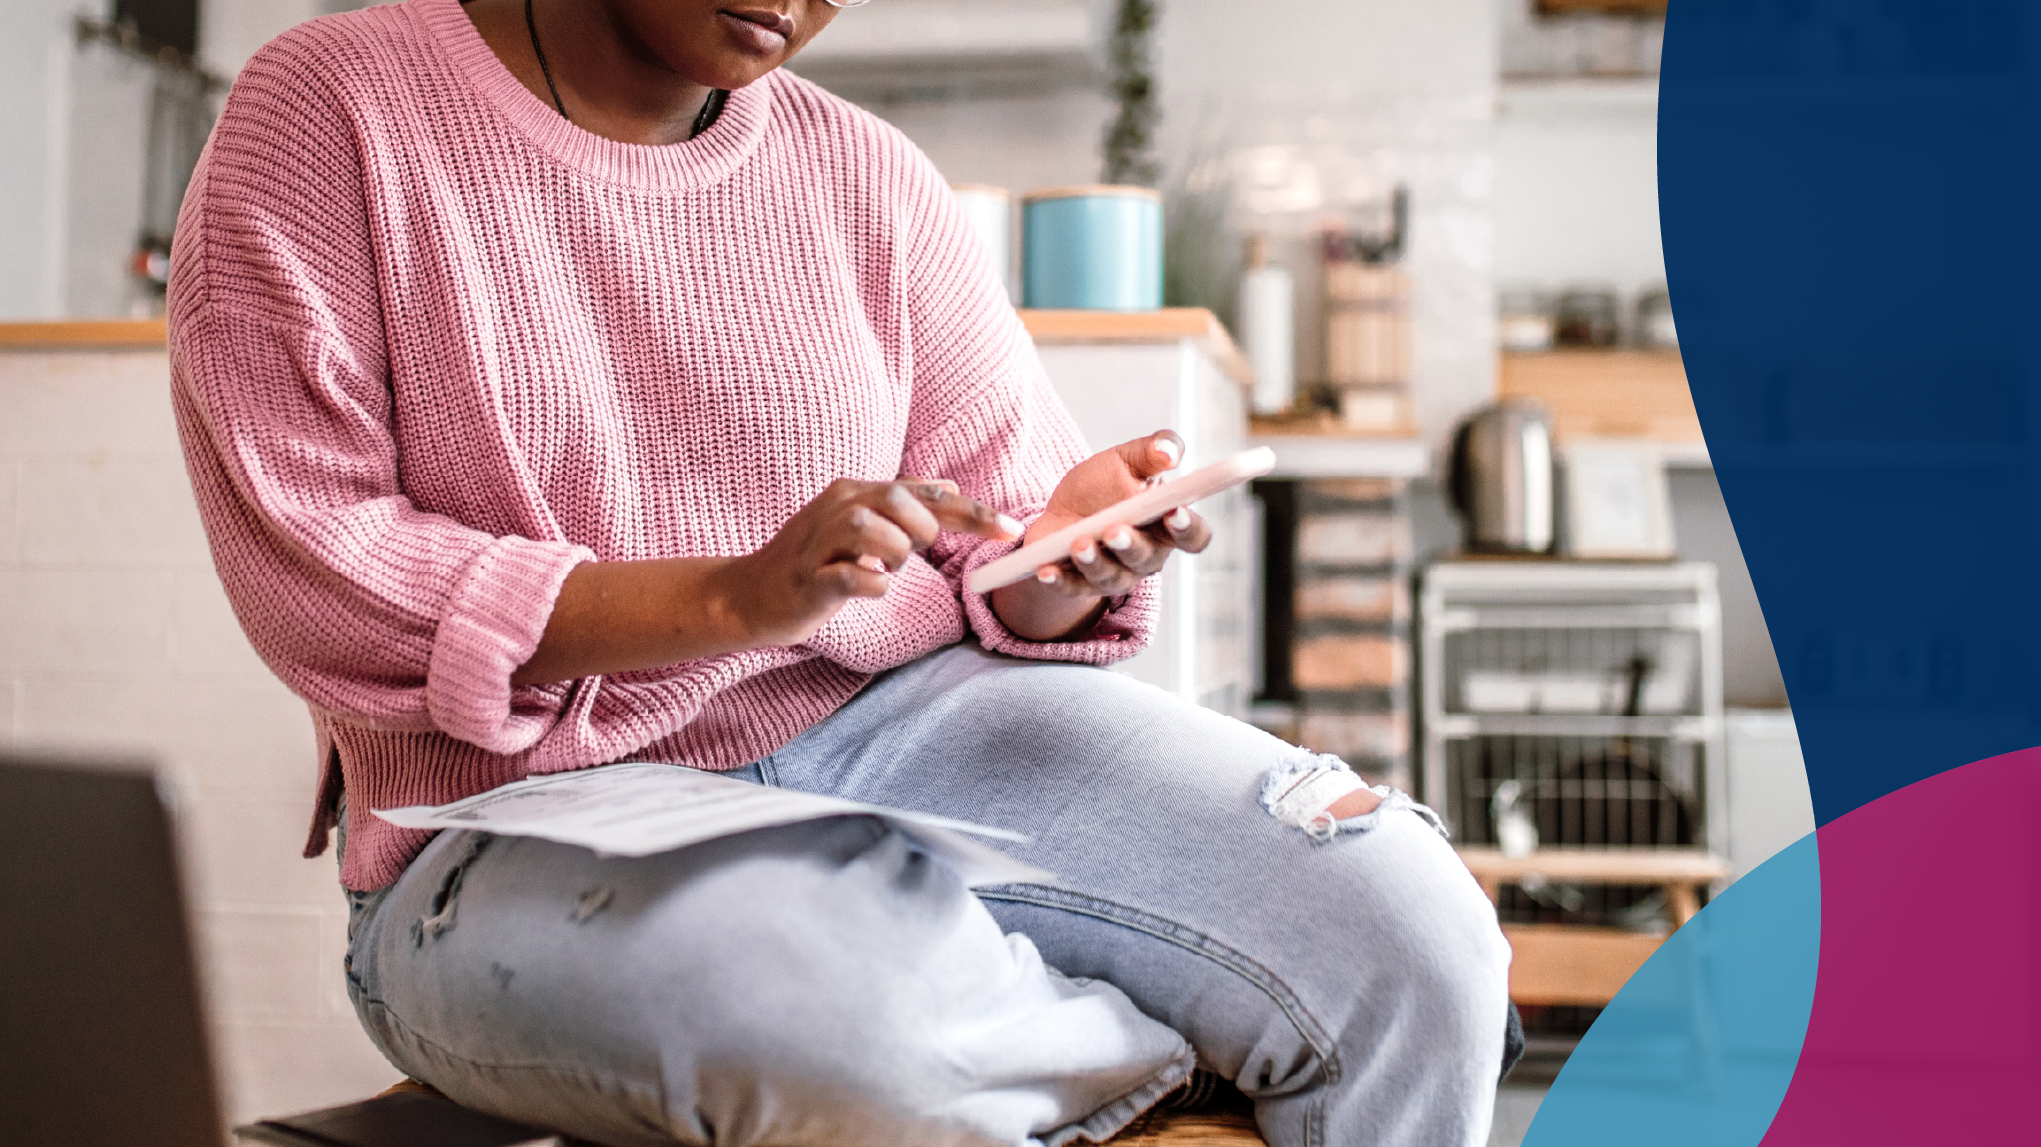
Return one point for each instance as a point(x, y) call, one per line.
point(1699, 1046)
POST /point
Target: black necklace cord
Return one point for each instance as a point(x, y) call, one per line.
point(712, 107)
point(532, 26)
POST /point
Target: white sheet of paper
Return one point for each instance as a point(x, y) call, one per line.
point(642, 808)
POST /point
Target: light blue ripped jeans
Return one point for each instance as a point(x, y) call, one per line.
point(827, 985)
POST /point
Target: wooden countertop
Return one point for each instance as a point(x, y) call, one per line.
point(84, 334)
point(1167, 325)
point(1163, 325)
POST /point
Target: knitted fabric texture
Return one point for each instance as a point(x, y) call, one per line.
point(433, 346)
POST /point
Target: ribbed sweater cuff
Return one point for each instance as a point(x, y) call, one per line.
point(1122, 632)
point(493, 623)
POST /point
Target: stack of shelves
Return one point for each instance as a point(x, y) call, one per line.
point(1594, 693)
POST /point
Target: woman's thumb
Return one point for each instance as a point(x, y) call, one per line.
point(1147, 457)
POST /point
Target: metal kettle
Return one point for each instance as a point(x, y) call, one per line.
point(1501, 477)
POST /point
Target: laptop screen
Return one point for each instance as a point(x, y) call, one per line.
point(102, 1032)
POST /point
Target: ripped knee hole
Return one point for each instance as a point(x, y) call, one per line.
point(1318, 794)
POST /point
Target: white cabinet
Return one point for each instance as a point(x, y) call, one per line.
point(1128, 375)
point(1770, 806)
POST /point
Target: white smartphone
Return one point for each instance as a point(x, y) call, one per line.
point(1139, 510)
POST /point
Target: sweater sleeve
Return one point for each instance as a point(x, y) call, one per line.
point(372, 610)
point(986, 417)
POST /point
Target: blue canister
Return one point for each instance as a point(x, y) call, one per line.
point(1097, 247)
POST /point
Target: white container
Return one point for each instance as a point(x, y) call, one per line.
point(1524, 319)
point(1497, 691)
point(990, 210)
point(1268, 331)
point(1578, 693)
point(1666, 690)
point(1502, 691)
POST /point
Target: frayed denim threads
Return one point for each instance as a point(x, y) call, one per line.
point(1284, 773)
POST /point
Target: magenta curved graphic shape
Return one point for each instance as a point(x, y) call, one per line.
point(1926, 1025)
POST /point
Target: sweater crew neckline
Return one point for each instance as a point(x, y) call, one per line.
point(690, 164)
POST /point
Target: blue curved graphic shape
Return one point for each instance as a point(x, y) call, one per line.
point(1699, 1047)
point(1847, 198)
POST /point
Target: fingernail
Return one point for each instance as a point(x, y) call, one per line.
point(1084, 554)
point(871, 563)
point(1180, 518)
point(1169, 448)
point(1120, 539)
point(1009, 525)
point(1047, 577)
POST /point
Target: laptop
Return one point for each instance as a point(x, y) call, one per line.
point(102, 1025)
point(102, 1034)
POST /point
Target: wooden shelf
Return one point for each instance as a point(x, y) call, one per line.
point(1628, 394)
point(1557, 964)
point(1566, 964)
point(1680, 871)
point(84, 334)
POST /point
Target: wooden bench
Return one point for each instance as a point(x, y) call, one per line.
point(1191, 1129)
point(1567, 964)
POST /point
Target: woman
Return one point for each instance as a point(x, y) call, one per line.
point(563, 384)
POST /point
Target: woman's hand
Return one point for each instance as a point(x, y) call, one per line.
point(1067, 597)
point(612, 617)
point(843, 545)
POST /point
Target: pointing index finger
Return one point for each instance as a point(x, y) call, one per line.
point(954, 511)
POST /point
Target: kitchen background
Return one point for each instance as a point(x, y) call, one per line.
point(1522, 139)
point(1527, 143)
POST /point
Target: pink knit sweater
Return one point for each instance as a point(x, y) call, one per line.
point(432, 346)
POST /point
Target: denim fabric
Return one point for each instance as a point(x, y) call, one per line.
point(827, 985)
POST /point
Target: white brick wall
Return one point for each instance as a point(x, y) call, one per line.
point(114, 634)
point(1409, 84)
